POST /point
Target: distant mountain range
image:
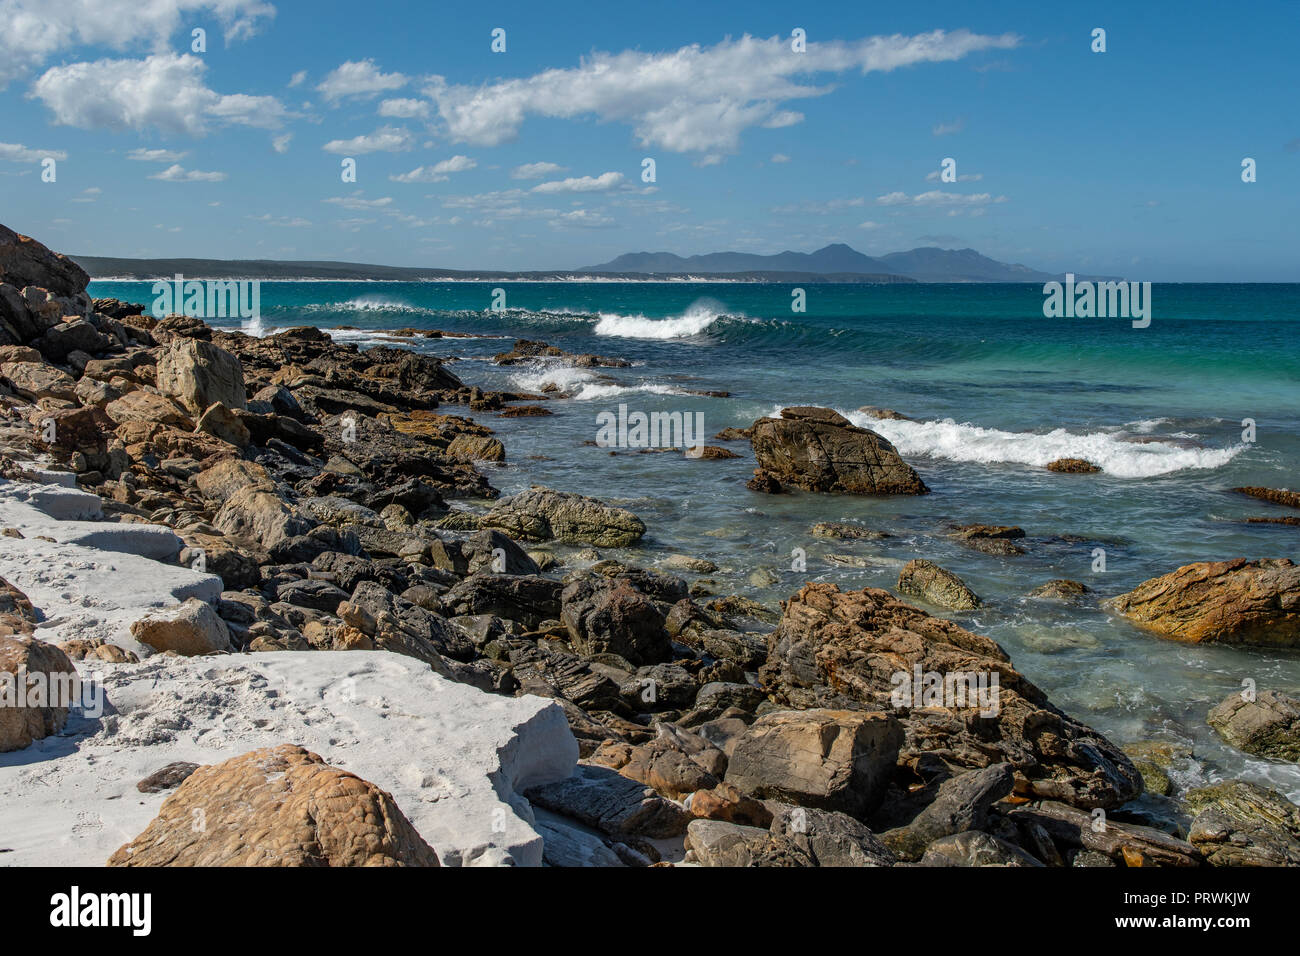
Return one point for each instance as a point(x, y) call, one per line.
point(834, 263)
point(926, 264)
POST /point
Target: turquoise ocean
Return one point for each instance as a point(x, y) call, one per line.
point(995, 391)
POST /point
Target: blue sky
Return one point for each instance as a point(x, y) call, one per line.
point(1124, 162)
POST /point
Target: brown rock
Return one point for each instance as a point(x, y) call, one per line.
point(146, 406)
point(931, 583)
point(1221, 602)
point(863, 649)
point(278, 806)
point(223, 423)
point(36, 380)
point(36, 680)
point(1267, 726)
point(466, 447)
point(198, 374)
point(819, 450)
point(1279, 496)
point(727, 803)
point(24, 262)
point(190, 629)
point(1073, 466)
point(828, 759)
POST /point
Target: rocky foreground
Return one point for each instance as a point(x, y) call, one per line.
point(254, 547)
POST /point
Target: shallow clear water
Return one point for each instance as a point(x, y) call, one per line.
point(997, 391)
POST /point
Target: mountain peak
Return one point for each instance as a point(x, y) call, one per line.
point(926, 263)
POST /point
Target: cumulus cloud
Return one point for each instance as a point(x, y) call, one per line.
point(934, 176)
point(581, 184)
point(281, 143)
point(386, 139)
point(356, 202)
point(404, 109)
point(155, 155)
point(695, 99)
point(582, 219)
point(359, 79)
point(166, 91)
point(536, 170)
point(939, 198)
point(437, 173)
point(35, 30)
point(179, 174)
point(17, 153)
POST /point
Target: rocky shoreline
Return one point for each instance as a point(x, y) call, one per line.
point(260, 525)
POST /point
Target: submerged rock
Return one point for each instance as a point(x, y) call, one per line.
point(931, 583)
point(1268, 726)
point(1221, 602)
point(1073, 466)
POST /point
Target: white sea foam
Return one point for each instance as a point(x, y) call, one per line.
point(698, 317)
point(580, 384)
point(1108, 450)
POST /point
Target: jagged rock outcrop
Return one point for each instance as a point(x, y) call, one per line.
point(199, 374)
point(866, 650)
point(818, 449)
point(1220, 602)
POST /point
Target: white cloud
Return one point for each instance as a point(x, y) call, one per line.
point(939, 198)
point(356, 202)
point(298, 79)
point(17, 153)
point(386, 139)
point(582, 219)
point(288, 222)
point(35, 30)
point(869, 225)
point(581, 184)
point(536, 170)
point(166, 91)
point(780, 158)
point(695, 99)
point(404, 109)
point(358, 78)
point(156, 155)
point(437, 173)
point(281, 143)
point(179, 174)
point(947, 129)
